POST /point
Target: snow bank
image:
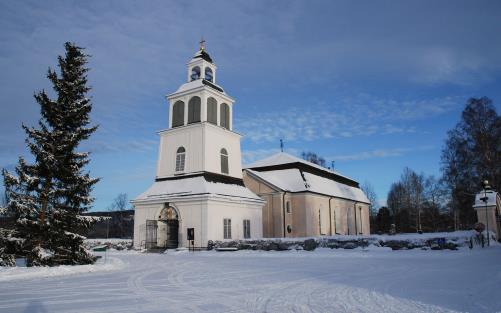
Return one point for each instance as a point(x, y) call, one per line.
point(21, 273)
point(434, 241)
point(111, 243)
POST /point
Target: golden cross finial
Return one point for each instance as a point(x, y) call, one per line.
point(202, 44)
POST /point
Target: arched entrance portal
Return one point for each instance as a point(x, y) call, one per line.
point(168, 228)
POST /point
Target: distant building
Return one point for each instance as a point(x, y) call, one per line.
point(305, 199)
point(198, 187)
point(488, 207)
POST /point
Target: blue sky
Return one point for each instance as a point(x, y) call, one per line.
point(373, 85)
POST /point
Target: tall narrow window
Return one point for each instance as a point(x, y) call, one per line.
point(208, 74)
point(360, 229)
point(247, 233)
point(178, 114)
point(349, 218)
point(194, 110)
point(195, 73)
point(227, 228)
point(224, 161)
point(337, 221)
point(288, 207)
point(212, 111)
point(224, 116)
point(320, 223)
point(180, 159)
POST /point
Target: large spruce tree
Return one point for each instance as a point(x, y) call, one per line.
point(48, 195)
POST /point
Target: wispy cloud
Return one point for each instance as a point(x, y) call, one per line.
point(346, 117)
point(379, 153)
point(119, 146)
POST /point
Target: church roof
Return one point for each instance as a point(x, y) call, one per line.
point(285, 160)
point(193, 186)
point(202, 54)
point(295, 180)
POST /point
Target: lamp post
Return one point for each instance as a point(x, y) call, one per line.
point(485, 199)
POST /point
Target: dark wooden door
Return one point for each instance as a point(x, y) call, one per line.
point(151, 234)
point(172, 234)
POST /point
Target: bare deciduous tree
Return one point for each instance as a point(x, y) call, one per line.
point(120, 203)
point(418, 203)
point(313, 158)
point(472, 154)
point(368, 189)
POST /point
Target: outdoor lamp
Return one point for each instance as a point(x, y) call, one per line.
point(485, 199)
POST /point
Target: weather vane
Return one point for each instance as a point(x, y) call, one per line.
point(202, 44)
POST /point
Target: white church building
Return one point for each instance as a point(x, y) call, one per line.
point(198, 191)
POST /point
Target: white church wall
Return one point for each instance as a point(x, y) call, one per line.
point(237, 212)
point(199, 140)
point(142, 213)
point(216, 139)
point(189, 137)
point(193, 215)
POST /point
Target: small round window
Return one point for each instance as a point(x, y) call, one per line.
point(289, 229)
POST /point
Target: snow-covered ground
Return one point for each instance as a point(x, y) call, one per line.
point(325, 280)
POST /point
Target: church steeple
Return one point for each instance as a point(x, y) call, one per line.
point(201, 66)
point(200, 136)
point(200, 99)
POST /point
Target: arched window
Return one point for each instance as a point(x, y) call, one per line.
point(178, 114)
point(195, 73)
point(168, 213)
point(337, 220)
point(224, 161)
point(194, 110)
point(224, 118)
point(212, 111)
point(180, 159)
point(208, 74)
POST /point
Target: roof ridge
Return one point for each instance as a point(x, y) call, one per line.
point(293, 159)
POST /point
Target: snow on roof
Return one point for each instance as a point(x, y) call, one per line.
point(292, 180)
point(288, 179)
point(285, 158)
point(194, 186)
point(491, 199)
point(195, 84)
point(202, 54)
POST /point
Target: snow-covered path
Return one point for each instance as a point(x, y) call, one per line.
point(253, 281)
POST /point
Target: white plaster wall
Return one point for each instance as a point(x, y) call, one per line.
point(203, 143)
point(490, 220)
point(191, 138)
point(141, 214)
point(217, 138)
point(193, 214)
point(203, 214)
point(237, 212)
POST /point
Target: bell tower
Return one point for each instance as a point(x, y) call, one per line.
point(200, 137)
point(198, 194)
